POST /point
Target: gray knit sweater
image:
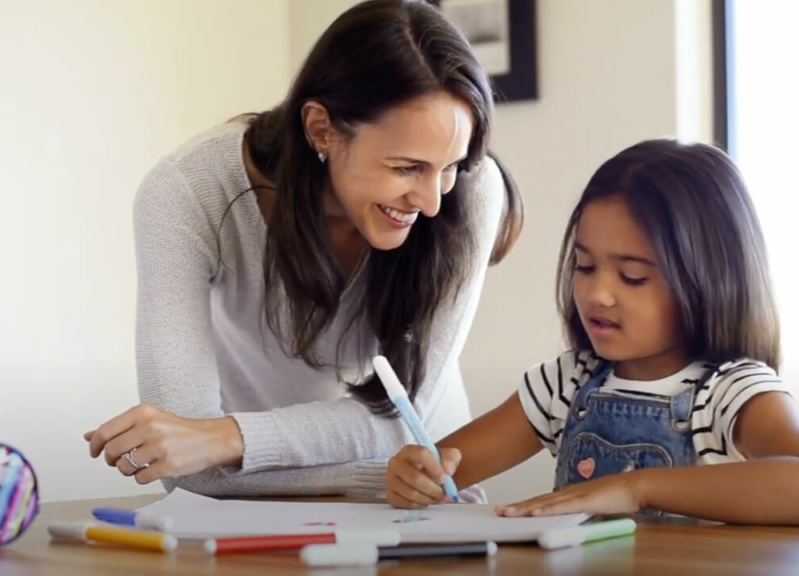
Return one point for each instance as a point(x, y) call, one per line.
point(203, 351)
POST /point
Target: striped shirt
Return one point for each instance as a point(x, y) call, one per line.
point(547, 390)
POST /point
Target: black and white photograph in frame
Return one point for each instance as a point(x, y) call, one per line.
point(502, 34)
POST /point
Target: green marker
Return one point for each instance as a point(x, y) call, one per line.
point(586, 533)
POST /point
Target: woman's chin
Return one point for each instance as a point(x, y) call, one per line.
point(388, 240)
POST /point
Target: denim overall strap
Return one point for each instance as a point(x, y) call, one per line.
point(682, 404)
point(594, 383)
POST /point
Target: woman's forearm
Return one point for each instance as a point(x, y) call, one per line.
point(363, 479)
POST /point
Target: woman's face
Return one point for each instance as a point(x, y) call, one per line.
point(392, 170)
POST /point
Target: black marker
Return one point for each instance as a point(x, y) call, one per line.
point(368, 554)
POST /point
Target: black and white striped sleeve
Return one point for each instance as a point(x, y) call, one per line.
point(717, 407)
point(546, 389)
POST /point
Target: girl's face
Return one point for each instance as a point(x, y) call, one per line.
point(398, 167)
point(623, 301)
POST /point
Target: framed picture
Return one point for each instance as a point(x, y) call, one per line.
point(503, 35)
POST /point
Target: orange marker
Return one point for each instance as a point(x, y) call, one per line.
point(91, 532)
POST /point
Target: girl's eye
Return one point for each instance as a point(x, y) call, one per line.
point(584, 269)
point(633, 281)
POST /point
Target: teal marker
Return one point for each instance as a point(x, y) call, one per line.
point(586, 533)
point(399, 397)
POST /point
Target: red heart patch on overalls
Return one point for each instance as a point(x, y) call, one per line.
point(585, 468)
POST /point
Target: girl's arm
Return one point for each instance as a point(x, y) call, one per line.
point(762, 490)
point(493, 443)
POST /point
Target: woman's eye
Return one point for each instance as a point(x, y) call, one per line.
point(406, 170)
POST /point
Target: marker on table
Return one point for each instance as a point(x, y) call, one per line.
point(90, 532)
point(276, 542)
point(399, 397)
point(368, 554)
point(131, 518)
point(586, 533)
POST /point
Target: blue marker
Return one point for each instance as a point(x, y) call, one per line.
point(131, 518)
point(398, 395)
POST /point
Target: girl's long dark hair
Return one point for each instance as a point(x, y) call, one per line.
point(377, 55)
point(693, 204)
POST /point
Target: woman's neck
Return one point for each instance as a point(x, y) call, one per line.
point(346, 241)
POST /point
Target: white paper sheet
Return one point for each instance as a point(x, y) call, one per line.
point(202, 517)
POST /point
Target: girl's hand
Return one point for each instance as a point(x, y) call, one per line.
point(414, 477)
point(165, 444)
point(617, 494)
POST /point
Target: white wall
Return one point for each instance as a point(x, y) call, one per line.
point(609, 76)
point(91, 94)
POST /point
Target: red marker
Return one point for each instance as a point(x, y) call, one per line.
point(280, 542)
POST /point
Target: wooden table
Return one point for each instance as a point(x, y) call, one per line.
point(673, 547)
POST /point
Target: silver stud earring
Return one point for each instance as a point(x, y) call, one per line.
point(322, 157)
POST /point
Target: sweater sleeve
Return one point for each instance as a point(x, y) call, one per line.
point(318, 447)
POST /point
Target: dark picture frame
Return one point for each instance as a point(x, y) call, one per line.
point(520, 82)
point(723, 96)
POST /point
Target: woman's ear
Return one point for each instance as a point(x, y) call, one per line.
point(318, 129)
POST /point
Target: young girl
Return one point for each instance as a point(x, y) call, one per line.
point(665, 294)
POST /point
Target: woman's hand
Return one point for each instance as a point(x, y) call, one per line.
point(414, 477)
point(617, 494)
point(165, 444)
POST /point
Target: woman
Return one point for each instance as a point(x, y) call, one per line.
point(279, 252)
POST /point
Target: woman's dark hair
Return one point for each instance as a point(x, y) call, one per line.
point(693, 204)
point(376, 56)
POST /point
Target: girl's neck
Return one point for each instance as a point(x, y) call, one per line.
point(652, 367)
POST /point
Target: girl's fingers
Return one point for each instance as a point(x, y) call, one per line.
point(424, 460)
point(524, 508)
point(408, 491)
point(419, 482)
point(450, 460)
point(570, 506)
point(533, 506)
point(399, 501)
point(413, 496)
point(573, 505)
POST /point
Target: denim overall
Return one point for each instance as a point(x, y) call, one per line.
point(610, 431)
